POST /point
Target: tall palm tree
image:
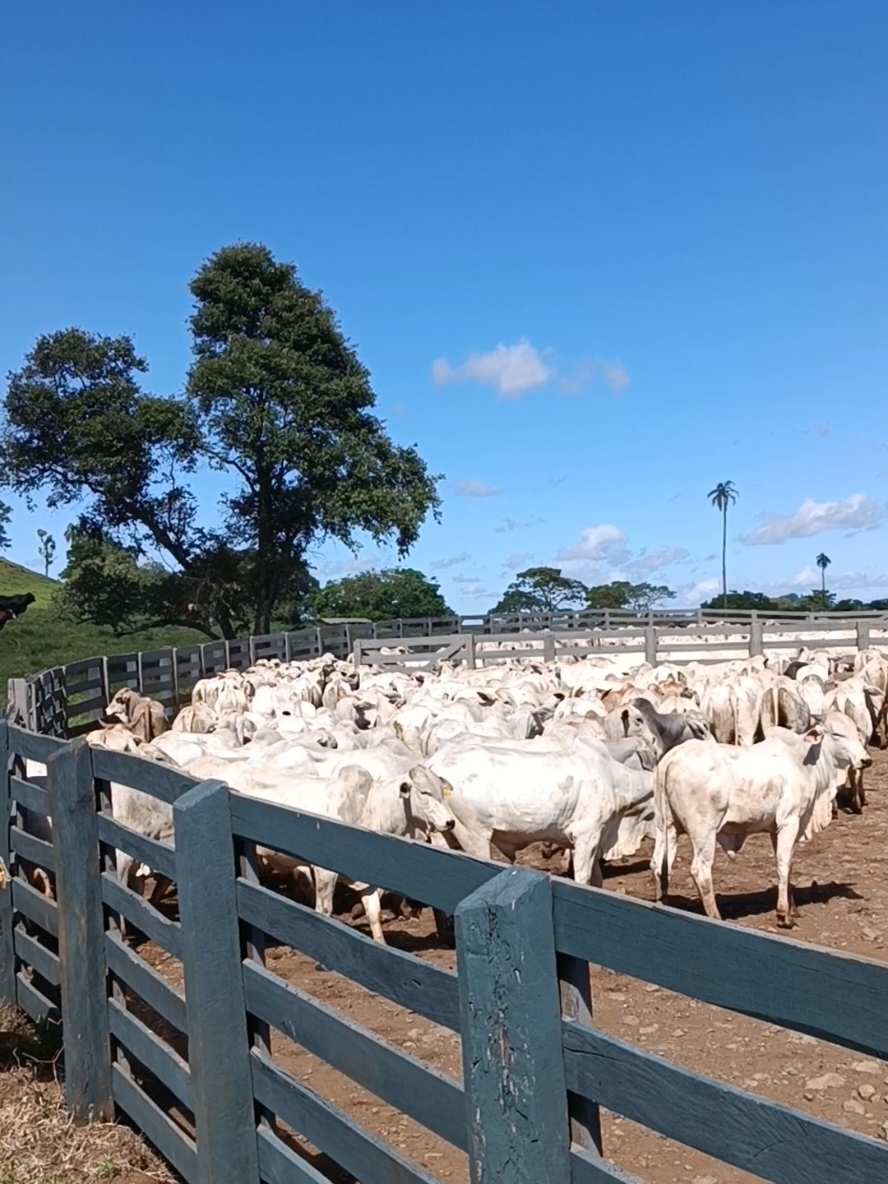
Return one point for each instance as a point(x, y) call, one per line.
point(724, 495)
point(823, 562)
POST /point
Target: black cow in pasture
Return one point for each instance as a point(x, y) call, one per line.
point(13, 606)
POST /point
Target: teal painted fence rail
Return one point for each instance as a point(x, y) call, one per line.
point(199, 1079)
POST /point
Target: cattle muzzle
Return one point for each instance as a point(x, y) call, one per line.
point(866, 762)
point(448, 825)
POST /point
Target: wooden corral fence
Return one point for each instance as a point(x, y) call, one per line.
point(194, 1070)
point(66, 701)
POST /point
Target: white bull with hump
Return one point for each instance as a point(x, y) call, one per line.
point(516, 793)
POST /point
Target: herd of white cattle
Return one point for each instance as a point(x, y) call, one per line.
point(591, 754)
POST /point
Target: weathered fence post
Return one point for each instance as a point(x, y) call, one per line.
point(87, 1039)
point(7, 939)
point(469, 650)
point(863, 635)
point(576, 1005)
point(650, 645)
point(218, 1040)
point(549, 647)
point(513, 1071)
point(756, 635)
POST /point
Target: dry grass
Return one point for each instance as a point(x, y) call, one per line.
point(38, 1142)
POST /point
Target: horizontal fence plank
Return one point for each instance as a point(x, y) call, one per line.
point(152, 1052)
point(588, 1168)
point(80, 686)
point(30, 847)
point(33, 746)
point(361, 1154)
point(83, 665)
point(35, 906)
point(159, 781)
point(144, 980)
point(419, 986)
point(784, 982)
point(279, 1164)
point(433, 875)
point(31, 952)
point(433, 1100)
point(34, 1003)
point(33, 794)
point(750, 1132)
point(160, 857)
point(167, 934)
point(158, 1127)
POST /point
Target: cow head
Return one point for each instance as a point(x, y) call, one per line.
point(425, 794)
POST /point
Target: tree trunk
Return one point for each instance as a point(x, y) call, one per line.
point(724, 557)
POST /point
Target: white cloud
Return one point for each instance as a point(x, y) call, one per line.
point(511, 370)
point(615, 375)
point(596, 543)
point(452, 561)
point(857, 579)
point(475, 590)
point(809, 577)
point(702, 590)
point(518, 560)
point(474, 488)
point(857, 512)
point(507, 525)
point(466, 579)
point(647, 562)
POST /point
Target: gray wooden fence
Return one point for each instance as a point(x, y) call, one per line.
point(193, 1068)
point(66, 701)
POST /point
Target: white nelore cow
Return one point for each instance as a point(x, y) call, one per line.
point(514, 793)
point(411, 805)
point(716, 793)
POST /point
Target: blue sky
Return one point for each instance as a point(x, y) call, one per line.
point(598, 257)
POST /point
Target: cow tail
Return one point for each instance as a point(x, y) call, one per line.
point(663, 829)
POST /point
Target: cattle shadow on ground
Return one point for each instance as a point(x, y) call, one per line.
point(735, 906)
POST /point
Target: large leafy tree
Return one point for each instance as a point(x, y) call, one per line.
point(542, 589)
point(276, 398)
point(400, 592)
point(623, 594)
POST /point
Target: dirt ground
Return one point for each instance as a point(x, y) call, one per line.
point(842, 893)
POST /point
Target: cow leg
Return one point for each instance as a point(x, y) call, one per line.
point(663, 859)
point(373, 909)
point(701, 870)
point(858, 793)
point(784, 847)
point(473, 842)
point(587, 865)
point(325, 886)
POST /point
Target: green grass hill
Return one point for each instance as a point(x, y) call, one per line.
point(41, 638)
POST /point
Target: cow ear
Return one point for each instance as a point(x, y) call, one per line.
point(814, 735)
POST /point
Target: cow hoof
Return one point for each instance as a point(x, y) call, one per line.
point(785, 922)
